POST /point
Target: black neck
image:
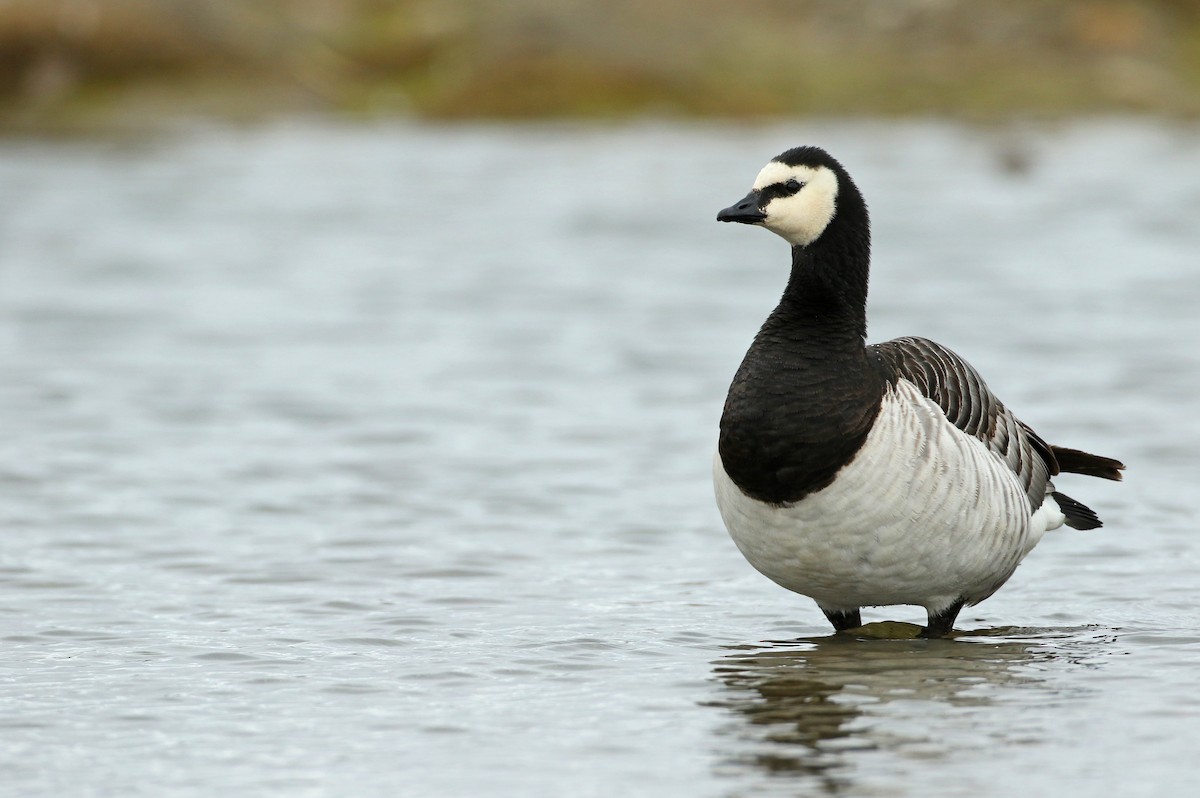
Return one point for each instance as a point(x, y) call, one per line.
point(807, 392)
point(826, 294)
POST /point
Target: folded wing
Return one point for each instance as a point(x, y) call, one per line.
point(959, 390)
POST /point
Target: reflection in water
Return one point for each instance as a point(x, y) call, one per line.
point(812, 709)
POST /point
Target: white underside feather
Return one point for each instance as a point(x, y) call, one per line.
point(924, 514)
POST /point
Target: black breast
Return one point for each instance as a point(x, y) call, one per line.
point(798, 410)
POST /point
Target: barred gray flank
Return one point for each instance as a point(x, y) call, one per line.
point(963, 395)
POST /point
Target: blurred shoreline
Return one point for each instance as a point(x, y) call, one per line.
point(87, 65)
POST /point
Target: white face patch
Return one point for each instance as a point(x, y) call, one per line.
point(802, 217)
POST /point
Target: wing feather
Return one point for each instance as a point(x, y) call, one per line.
point(956, 387)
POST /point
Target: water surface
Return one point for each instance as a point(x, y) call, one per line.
point(375, 461)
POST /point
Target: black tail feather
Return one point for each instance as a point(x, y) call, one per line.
point(1074, 461)
point(1079, 516)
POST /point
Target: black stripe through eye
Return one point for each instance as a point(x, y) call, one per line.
point(784, 189)
point(778, 190)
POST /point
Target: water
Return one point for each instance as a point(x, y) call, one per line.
point(374, 461)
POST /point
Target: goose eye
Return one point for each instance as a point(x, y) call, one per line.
point(793, 185)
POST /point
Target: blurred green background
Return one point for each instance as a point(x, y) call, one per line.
point(102, 63)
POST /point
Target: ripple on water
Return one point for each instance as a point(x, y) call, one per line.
point(225, 656)
point(452, 573)
point(386, 642)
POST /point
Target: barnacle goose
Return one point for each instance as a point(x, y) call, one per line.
point(872, 475)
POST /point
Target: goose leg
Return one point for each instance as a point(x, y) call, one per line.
point(843, 619)
point(942, 623)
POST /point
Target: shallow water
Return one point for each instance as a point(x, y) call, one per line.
point(375, 461)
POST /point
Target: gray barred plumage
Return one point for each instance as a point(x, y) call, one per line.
point(963, 395)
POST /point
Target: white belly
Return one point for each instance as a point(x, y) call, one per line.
point(924, 514)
